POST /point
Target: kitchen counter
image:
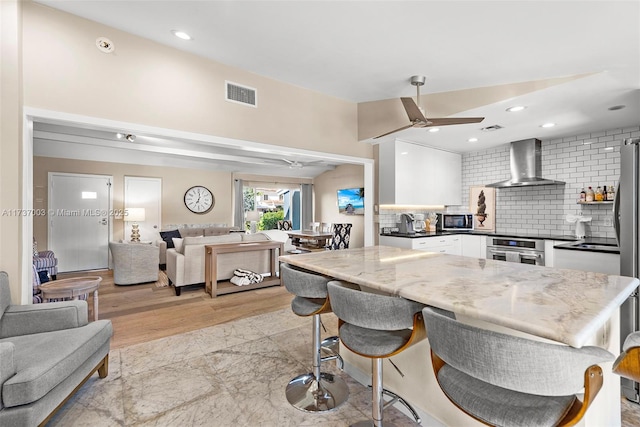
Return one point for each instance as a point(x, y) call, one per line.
point(541, 301)
point(567, 306)
point(563, 237)
point(592, 244)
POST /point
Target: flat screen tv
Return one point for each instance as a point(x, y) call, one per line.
point(351, 201)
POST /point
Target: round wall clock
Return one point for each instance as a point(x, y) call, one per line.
point(199, 199)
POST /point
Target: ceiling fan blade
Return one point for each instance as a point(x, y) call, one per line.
point(454, 121)
point(412, 110)
point(393, 131)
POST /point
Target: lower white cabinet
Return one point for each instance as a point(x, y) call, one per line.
point(451, 244)
point(474, 246)
point(599, 262)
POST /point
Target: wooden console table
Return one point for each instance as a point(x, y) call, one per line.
point(215, 288)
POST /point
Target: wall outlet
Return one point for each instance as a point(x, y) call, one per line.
point(608, 221)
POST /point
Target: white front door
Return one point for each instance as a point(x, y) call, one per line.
point(144, 192)
point(79, 220)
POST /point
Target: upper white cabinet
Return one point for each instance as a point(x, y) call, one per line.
point(411, 174)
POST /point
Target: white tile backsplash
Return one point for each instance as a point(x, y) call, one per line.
point(580, 161)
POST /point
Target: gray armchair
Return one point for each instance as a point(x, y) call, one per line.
point(47, 351)
point(134, 263)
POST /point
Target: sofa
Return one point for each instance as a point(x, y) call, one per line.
point(186, 261)
point(47, 351)
point(134, 263)
point(171, 231)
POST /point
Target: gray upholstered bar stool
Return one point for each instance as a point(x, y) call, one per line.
point(627, 364)
point(506, 380)
point(377, 327)
point(315, 391)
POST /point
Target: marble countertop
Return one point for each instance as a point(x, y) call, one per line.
point(416, 235)
point(567, 306)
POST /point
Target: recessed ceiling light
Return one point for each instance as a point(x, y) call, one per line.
point(516, 108)
point(181, 35)
point(472, 139)
point(548, 125)
point(616, 107)
point(120, 135)
point(434, 129)
point(404, 152)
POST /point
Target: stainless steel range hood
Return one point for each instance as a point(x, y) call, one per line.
point(526, 165)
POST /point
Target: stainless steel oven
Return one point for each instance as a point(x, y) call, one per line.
point(524, 251)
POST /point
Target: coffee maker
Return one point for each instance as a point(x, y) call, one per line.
point(406, 223)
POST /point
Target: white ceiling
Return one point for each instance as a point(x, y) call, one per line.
point(366, 51)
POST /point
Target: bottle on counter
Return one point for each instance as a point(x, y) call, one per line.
point(598, 194)
point(590, 195)
point(604, 194)
point(583, 196)
point(611, 193)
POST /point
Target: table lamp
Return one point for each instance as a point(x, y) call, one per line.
point(253, 217)
point(134, 215)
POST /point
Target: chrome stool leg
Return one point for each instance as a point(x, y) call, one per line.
point(317, 391)
point(330, 346)
point(377, 401)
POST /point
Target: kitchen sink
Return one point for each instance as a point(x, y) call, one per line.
point(593, 246)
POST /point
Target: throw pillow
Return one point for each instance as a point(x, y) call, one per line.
point(168, 237)
point(178, 243)
point(43, 276)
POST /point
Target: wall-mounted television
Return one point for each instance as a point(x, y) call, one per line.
point(351, 201)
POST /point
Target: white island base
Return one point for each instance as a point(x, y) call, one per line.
point(419, 387)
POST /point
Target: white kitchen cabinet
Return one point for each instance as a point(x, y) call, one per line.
point(442, 244)
point(412, 174)
point(599, 262)
point(474, 246)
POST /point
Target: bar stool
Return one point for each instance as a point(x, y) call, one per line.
point(315, 391)
point(377, 327)
point(627, 365)
point(506, 380)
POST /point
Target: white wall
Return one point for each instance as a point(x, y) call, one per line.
point(325, 189)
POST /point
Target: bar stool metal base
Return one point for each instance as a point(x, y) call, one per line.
point(369, 423)
point(306, 393)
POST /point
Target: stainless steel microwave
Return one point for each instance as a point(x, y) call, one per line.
point(455, 222)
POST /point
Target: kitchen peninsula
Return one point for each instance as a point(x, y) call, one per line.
point(566, 306)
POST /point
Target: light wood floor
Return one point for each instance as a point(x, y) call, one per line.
point(145, 312)
point(141, 313)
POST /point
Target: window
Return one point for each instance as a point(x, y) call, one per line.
point(273, 204)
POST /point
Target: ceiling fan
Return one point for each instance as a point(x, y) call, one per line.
point(294, 164)
point(417, 118)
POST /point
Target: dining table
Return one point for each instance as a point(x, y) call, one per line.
point(309, 239)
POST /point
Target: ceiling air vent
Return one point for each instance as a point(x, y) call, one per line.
point(491, 128)
point(241, 94)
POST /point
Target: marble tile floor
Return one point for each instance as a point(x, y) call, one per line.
point(233, 374)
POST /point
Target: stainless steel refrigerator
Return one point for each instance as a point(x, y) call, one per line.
point(626, 217)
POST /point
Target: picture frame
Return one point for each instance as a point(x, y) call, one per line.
point(482, 204)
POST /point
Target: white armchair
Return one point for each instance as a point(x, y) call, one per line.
point(134, 263)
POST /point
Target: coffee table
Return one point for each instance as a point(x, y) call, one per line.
point(73, 288)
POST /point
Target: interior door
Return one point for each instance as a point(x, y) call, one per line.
point(79, 220)
point(144, 192)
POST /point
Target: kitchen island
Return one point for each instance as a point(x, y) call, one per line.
point(564, 306)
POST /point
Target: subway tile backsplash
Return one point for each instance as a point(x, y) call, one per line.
point(580, 161)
